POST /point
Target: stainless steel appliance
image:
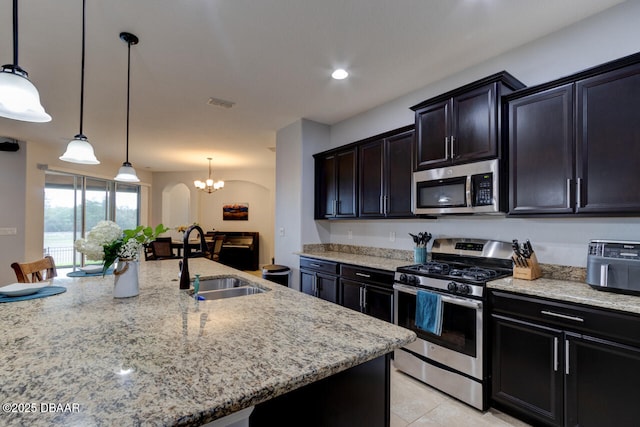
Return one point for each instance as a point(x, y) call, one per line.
point(455, 361)
point(614, 265)
point(465, 189)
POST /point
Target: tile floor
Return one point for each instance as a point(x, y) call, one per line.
point(414, 404)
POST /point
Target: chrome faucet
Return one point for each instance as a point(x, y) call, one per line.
point(185, 281)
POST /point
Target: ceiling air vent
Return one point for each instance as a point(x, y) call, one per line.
point(217, 102)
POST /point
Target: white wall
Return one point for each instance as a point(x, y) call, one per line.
point(253, 186)
point(12, 214)
point(604, 37)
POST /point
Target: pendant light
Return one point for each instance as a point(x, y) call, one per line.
point(209, 185)
point(19, 98)
point(127, 173)
point(79, 150)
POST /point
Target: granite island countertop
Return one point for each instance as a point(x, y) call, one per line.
point(570, 291)
point(162, 358)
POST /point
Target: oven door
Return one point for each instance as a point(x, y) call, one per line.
point(459, 346)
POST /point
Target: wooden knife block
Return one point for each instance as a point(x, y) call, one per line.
point(532, 272)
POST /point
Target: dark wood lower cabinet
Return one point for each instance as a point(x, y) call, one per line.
point(320, 285)
point(356, 397)
point(526, 371)
point(562, 364)
point(372, 300)
point(603, 383)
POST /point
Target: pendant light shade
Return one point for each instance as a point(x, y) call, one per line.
point(79, 150)
point(127, 173)
point(19, 98)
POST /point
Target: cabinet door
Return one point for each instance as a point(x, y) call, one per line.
point(432, 135)
point(379, 303)
point(398, 172)
point(371, 161)
point(541, 152)
point(350, 294)
point(307, 282)
point(527, 373)
point(325, 186)
point(346, 184)
point(327, 287)
point(602, 383)
point(475, 125)
point(608, 141)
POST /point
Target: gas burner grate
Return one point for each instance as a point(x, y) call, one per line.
point(434, 268)
point(475, 273)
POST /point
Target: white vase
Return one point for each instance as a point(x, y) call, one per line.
point(126, 279)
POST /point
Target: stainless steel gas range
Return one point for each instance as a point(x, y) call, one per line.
point(455, 361)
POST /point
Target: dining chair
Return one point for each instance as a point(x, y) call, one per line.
point(35, 271)
point(218, 240)
point(161, 248)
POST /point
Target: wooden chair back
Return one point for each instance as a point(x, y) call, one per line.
point(36, 271)
point(161, 248)
point(218, 240)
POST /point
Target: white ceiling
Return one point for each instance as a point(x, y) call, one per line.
point(271, 57)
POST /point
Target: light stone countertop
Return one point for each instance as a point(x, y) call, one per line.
point(570, 291)
point(379, 262)
point(561, 290)
point(188, 362)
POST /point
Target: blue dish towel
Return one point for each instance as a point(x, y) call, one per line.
point(429, 312)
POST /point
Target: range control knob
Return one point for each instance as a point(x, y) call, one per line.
point(464, 289)
point(452, 286)
point(403, 278)
point(412, 280)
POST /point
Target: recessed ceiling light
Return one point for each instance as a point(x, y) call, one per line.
point(340, 74)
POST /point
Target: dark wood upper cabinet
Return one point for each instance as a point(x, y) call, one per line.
point(385, 168)
point(462, 125)
point(541, 152)
point(574, 143)
point(608, 141)
point(336, 180)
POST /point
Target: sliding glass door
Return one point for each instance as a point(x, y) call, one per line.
point(74, 204)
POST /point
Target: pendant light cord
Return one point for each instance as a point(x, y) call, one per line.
point(128, 91)
point(82, 72)
point(15, 32)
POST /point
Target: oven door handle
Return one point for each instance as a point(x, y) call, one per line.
point(463, 302)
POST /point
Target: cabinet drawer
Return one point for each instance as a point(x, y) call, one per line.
point(619, 326)
point(367, 275)
point(319, 265)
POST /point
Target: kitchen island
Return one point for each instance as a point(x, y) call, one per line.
point(163, 358)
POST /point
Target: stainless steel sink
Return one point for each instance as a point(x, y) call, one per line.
point(227, 287)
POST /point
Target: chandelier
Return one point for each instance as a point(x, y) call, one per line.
point(208, 185)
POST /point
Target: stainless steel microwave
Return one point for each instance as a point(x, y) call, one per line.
point(462, 189)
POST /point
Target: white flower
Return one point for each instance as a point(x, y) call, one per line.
point(104, 233)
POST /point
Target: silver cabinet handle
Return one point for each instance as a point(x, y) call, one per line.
point(386, 203)
point(604, 275)
point(381, 205)
point(566, 357)
point(555, 354)
point(562, 316)
point(446, 147)
point(453, 138)
point(569, 181)
point(314, 265)
point(364, 299)
point(579, 193)
point(368, 276)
